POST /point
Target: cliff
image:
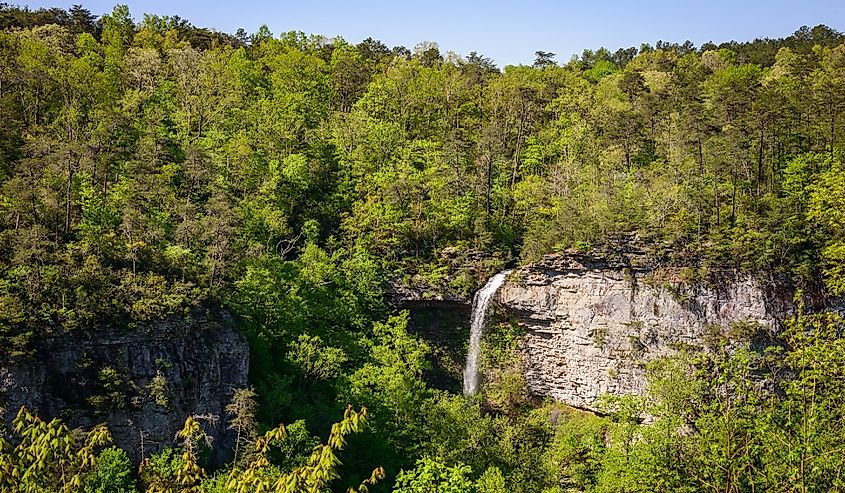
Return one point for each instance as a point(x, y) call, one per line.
point(142, 382)
point(592, 323)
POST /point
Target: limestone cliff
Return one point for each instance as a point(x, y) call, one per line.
point(143, 382)
point(592, 323)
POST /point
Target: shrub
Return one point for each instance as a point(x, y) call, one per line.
point(113, 473)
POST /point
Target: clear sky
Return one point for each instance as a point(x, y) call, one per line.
point(507, 32)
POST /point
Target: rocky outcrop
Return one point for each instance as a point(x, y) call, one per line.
point(592, 323)
point(142, 382)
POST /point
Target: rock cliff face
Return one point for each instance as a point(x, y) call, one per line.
point(592, 323)
point(142, 382)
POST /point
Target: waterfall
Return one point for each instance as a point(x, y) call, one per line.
point(480, 304)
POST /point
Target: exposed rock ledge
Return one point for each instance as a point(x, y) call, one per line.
point(592, 323)
point(165, 372)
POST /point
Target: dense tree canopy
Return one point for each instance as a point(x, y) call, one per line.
point(144, 173)
point(149, 168)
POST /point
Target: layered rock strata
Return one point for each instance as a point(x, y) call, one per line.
point(592, 324)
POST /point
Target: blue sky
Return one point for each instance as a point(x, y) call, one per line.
point(507, 32)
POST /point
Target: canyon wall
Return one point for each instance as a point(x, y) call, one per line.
point(591, 323)
point(142, 382)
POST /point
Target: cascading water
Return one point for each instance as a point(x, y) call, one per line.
point(480, 304)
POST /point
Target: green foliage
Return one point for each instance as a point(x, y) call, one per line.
point(319, 470)
point(390, 383)
point(157, 388)
point(47, 456)
point(717, 425)
point(826, 209)
point(242, 420)
point(296, 446)
point(150, 168)
point(134, 189)
point(158, 472)
point(190, 474)
point(315, 360)
point(575, 454)
point(805, 425)
point(491, 481)
point(113, 393)
point(429, 475)
point(114, 473)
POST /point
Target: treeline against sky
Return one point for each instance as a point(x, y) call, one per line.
point(162, 161)
point(151, 168)
point(147, 166)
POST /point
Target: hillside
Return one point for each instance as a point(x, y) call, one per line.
point(152, 170)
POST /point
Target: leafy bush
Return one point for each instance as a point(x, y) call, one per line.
point(114, 473)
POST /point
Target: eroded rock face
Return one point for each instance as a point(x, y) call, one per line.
point(591, 324)
point(142, 382)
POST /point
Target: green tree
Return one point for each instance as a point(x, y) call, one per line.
point(429, 475)
point(113, 473)
point(47, 456)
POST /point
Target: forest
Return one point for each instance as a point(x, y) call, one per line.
point(149, 167)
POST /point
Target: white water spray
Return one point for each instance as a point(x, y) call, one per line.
point(480, 304)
